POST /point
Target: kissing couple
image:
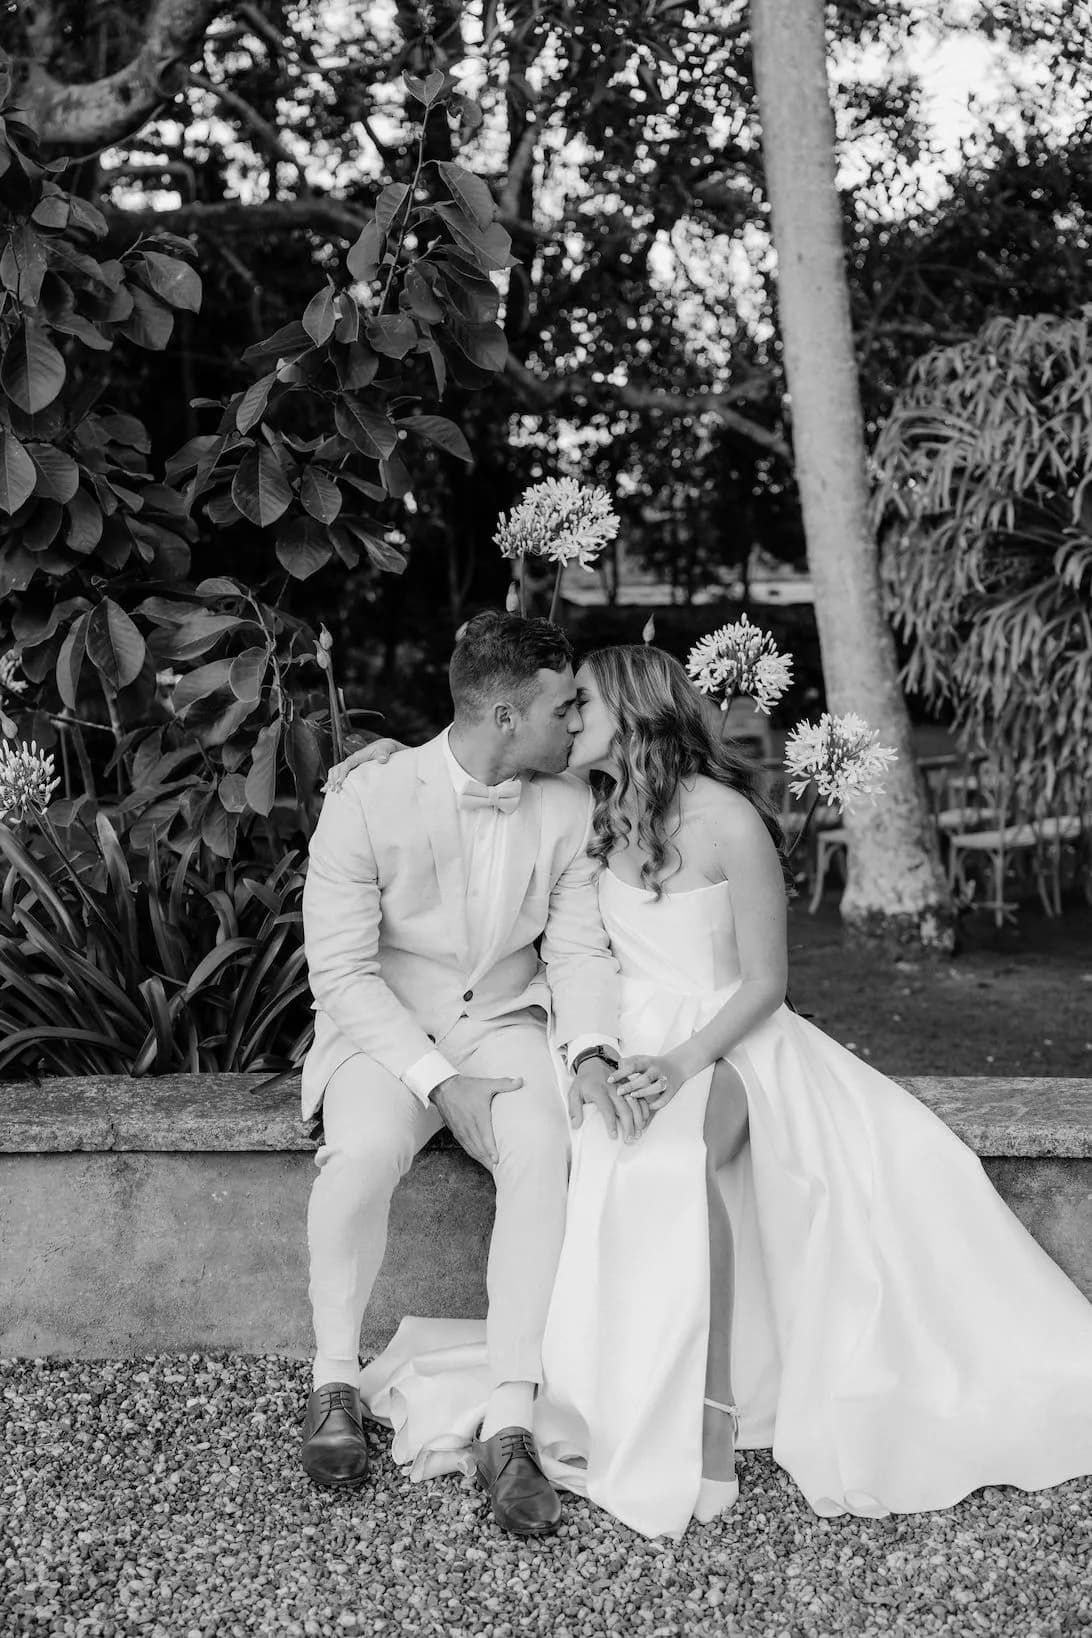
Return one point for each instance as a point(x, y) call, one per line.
point(559, 929)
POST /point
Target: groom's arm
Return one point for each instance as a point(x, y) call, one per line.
point(581, 970)
point(341, 917)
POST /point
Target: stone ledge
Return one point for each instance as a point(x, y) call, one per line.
point(169, 1215)
point(185, 1114)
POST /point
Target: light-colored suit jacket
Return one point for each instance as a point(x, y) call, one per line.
point(385, 925)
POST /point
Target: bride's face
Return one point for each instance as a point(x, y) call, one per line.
point(592, 745)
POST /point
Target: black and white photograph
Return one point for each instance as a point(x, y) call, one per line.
point(545, 818)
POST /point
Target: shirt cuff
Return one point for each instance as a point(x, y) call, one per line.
point(580, 1043)
point(426, 1074)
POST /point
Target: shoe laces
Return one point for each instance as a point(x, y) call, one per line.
point(518, 1443)
point(337, 1397)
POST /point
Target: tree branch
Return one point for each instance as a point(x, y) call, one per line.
point(574, 389)
point(211, 216)
point(41, 27)
point(270, 140)
point(108, 109)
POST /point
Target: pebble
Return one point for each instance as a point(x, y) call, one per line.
point(150, 1496)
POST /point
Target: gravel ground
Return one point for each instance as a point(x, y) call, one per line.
point(165, 1496)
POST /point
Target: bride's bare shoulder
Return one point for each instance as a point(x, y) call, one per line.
point(726, 816)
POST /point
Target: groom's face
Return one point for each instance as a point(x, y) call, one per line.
point(545, 730)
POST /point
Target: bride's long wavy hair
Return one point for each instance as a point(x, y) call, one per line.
point(663, 736)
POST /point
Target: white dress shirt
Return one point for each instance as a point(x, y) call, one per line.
point(486, 835)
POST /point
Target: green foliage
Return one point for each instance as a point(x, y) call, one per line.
point(201, 684)
point(104, 970)
point(985, 494)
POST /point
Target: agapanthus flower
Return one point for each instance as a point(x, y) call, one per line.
point(26, 780)
point(841, 755)
point(9, 667)
point(740, 659)
point(558, 519)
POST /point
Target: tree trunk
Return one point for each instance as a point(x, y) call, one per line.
point(106, 110)
point(896, 888)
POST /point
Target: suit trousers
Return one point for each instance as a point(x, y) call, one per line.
point(374, 1126)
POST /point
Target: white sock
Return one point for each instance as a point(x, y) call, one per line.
point(334, 1370)
point(511, 1405)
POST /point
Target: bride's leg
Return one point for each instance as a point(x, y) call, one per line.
point(725, 1134)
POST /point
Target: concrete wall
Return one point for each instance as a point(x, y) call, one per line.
point(169, 1215)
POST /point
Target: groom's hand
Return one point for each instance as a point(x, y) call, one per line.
point(465, 1103)
point(590, 1085)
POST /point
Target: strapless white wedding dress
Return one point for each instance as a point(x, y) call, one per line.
point(899, 1339)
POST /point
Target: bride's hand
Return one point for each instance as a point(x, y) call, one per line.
point(380, 750)
point(653, 1079)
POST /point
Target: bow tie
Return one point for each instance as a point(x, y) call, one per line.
point(504, 797)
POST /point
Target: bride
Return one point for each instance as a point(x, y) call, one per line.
point(784, 1249)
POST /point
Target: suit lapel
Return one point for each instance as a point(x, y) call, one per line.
point(520, 861)
point(441, 820)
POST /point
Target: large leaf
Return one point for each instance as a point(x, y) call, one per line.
point(23, 265)
point(367, 431)
point(491, 249)
point(18, 475)
point(320, 495)
point(303, 546)
point(382, 553)
point(261, 781)
point(356, 365)
point(252, 405)
point(319, 316)
point(70, 661)
point(363, 258)
point(247, 674)
point(84, 523)
point(58, 475)
point(199, 683)
point(174, 281)
point(445, 434)
point(390, 202)
point(219, 830)
point(150, 323)
point(260, 489)
point(32, 372)
point(392, 334)
point(114, 645)
point(301, 750)
point(483, 344)
point(420, 298)
point(287, 342)
point(469, 193)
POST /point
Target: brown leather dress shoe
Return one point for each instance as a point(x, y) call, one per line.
point(335, 1451)
point(524, 1500)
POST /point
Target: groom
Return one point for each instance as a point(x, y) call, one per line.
point(430, 879)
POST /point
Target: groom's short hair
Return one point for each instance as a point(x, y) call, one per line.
point(503, 653)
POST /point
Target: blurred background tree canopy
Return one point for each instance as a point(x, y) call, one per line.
point(620, 141)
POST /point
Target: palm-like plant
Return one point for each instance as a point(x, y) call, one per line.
point(984, 499)
point(107, 971)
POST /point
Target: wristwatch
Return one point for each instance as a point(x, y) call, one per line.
point(593, 1052)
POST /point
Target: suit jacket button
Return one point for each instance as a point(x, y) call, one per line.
point(468, 995)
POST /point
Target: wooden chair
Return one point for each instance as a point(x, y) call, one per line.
point(1041, 841)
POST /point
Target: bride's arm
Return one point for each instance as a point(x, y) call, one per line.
point(746, 858)
point(748, 861)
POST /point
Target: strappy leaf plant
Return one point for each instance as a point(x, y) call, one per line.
point(984, 496)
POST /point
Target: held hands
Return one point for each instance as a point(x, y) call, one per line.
point(591, 1084)
point(651, 1081)
point(380, 750)
point(465, 1101)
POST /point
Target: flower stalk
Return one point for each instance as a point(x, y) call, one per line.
point(323, 649)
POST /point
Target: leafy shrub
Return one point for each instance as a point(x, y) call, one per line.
point(105, 969)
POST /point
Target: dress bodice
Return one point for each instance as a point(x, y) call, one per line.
point(682, 941)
